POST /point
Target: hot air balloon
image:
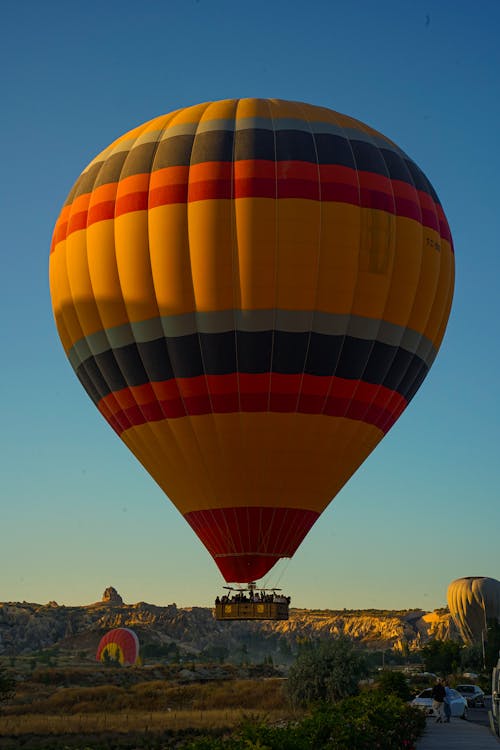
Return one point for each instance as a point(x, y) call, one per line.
point(473, 601)
point(119, 645)
point(251, 291)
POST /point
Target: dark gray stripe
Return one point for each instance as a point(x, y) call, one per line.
point(148, 140)
point(253, 321)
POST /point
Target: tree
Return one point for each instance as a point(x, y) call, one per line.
point(394, 683)
point(284, 649)
point(472, 658)
point(217, 652)
point(492, 645)
point(441, 657)
point(326, 671)
point(7, 686)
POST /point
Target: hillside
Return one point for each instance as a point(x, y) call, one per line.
point(28, 627)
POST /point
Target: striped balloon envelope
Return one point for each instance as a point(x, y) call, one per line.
point(251, 292)
point(119, 645)
point(474, 603)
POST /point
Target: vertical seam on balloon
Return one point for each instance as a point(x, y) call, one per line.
point(386, 425)
point(144, 447)
point(75, 309)
point(128, 385)
point(83, 338)
point(152, 427)
point(270, 530)
point(266, 459)
point(260, 533)
point(313, 307)
point(318, 258)
point(232, 547)
point(162, 324)
point(358, 425)
point(422, 333)
point(331, 385)
point(61, 323)
point(289, 538)
point(234, 250)
point(378, 321)
point(213, 417)
point(248, 531)
point(166, 420)
point(241, 547)
point(248, 476)
point(276, 249)
point(449, 287)
point(207, 472)
point(391, 218)
point(281, 534)
point(440, 255)
point(104, 329)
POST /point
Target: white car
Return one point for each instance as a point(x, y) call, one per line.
point(457, 702)
point(472, 694)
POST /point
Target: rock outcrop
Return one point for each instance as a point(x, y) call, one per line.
point(111, 596)
point(26, 628)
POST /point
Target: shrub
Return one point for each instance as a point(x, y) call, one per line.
point(367, 722)
point(394, 683)
point(325, 671)
point(7, 686)
point(441, 657)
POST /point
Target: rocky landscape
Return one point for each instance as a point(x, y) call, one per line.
point(27, 628)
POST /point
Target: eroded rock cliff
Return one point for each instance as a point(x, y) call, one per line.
point(27, 627)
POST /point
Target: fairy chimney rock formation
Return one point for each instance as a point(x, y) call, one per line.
point(111, 596)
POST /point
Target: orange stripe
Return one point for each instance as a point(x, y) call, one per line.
point(135, 183)
point(181, 184)
point(169, 176)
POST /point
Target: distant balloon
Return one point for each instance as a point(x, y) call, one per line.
point(472, 602)
point(251, 291)
point(119, 645)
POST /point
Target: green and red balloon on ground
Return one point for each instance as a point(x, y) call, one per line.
point(251, 291)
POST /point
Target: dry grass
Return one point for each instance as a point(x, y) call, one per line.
point(153, 696)
point(152, 706)
point(128, 721)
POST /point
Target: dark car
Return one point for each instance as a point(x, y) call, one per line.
point(472, 694)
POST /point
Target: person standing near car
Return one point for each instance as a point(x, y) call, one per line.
point(438, 696)
point(446, 704)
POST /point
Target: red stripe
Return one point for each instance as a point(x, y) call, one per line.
point(101, 212)
point(265, 179)
point(132, 202)
point(240, 392)
point(256, 188)
point(444, 228)
point(167, 194)
point(246, 542)
point(76, 222)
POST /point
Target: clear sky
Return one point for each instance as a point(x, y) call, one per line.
point(77, 512)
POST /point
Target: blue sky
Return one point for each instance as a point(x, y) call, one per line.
point(77, 512)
